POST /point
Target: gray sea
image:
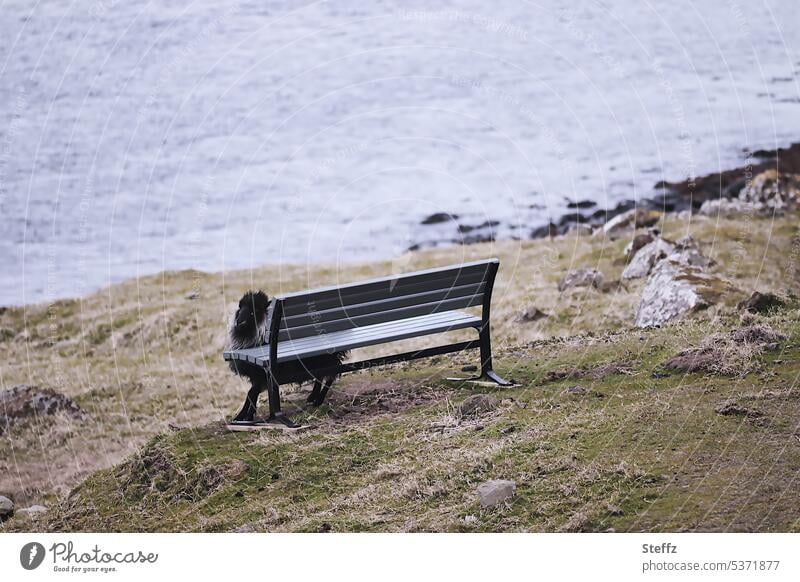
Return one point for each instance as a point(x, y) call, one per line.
point(142, 136)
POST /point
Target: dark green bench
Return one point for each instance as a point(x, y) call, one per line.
point(379, 311)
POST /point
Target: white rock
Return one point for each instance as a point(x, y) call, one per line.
point(648, 256)
point(674, 289)
point(32, 511)
point(470, 520)
point(493, 492)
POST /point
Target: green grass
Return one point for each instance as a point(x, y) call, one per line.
point(643, 451)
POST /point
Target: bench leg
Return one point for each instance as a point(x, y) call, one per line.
point(275, 414)
point(487, 373)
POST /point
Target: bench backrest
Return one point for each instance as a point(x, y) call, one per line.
point(330, 309)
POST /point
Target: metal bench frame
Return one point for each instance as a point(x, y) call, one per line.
point(267, 356)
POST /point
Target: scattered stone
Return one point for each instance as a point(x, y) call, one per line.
point(578, 390)
point(532, 314)
point(465, 228)
point(761, 303)
point(192, 296)
point(733, 409)
point(475, 405)
point(23, 402)
point(579, 229)
point(639, 241)
point(629, 221)
point(547, 231)
point(772, 190)
point(508, 429)
point(583, 277)
point(439, 217)
point(726, 207)
point(673, 290)
point(496, 491)
point(6, 508)
point(33, 511)
point(325, 528)
point(470, 520)
point(582, 204)
point(643, 262)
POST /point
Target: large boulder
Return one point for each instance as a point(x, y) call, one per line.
point(647, 257)
point(496, 491)
point(583, 277)
point(24, 402)
point(674, 289)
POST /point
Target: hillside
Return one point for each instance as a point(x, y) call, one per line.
point(599, 433)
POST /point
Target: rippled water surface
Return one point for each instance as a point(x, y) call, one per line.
point(222, 135)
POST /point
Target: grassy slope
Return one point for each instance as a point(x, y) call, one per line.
point(388, 454)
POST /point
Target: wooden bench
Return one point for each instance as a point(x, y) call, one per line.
point(378, 311)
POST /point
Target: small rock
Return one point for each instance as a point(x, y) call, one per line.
point(583, 277)
point(470, 368)
point(648, 256)
point(582, 204)
point(32, 511)
point(532, 314)
point(6, 507)
point(192, 296)
point(761, 303)
point(579, 229)
point(496, 491)
point(576, 390)
point(475, 405)
point(439, 217)
point(629, 221)
point(470, 520)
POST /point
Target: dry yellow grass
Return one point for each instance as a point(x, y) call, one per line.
point(141, 355)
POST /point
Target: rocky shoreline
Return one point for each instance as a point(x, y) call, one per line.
point(718, 192)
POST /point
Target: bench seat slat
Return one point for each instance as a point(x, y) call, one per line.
point(370, 319)
point(359, 337)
